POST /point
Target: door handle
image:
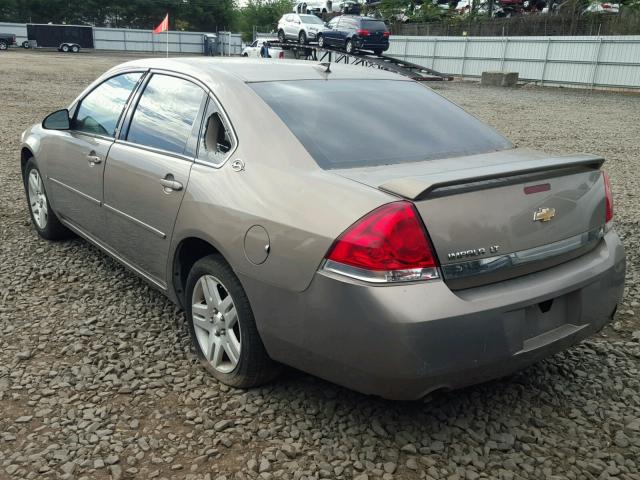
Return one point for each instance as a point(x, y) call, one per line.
point(170, 183)
point(93, 158)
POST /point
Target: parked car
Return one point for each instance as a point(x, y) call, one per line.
point(353, 33)
point(253, 50)
point(7, 40)
point(602, 8)
point(299, 27)
point(314, 6)
point(403, 250)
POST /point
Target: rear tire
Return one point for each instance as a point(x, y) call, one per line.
point(44, 220)
point(25, 44)
point(349, 48)
point(377, 52)
point(281, 37)
point(3, 45)
point(75, 49)
point(223, 330)
point(302, 38)
point(321, 41)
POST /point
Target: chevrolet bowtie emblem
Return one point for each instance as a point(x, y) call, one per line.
point(544, 214)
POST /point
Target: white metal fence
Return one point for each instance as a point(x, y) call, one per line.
point(144, 40)
point(612, 61)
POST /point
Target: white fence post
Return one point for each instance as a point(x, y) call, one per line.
point(595, 63)
point(464, 55)
point(504, 53)
point(546, 60)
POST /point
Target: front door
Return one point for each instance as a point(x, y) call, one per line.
point(148, 170)
point(77, 157)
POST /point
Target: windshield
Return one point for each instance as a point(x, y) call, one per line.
point(310, 19)
point(355, 123)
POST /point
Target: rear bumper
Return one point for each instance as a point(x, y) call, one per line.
point(369, 45)
point(402, 342)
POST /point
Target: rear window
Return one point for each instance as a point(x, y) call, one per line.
point(355, 123)
point(373, 25)
point(312, 19)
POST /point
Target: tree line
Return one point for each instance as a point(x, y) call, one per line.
point(186, 15)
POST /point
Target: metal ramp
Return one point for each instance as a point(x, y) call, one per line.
point(383, 62)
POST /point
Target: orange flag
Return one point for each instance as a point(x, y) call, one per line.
point(164, 25)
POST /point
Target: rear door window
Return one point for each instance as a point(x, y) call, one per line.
point(99, 112)
point(166, 113)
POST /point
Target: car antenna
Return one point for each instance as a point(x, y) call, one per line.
point(327, 65)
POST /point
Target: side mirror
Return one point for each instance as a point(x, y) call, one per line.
point(57, 120)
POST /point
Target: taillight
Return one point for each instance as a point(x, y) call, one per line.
point(608, 198)
point(363, 32)
point(386, 34)
point(390, 244)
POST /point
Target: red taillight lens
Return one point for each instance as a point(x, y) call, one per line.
point(386, 34)
point(608, 198)
point(363, 32)
point(390, 238)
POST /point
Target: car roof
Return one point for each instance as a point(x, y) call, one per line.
point(211, 70)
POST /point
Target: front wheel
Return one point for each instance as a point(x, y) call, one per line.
point(25, 44)
point(377, 52)
point(64, 48)
point(302, 38)
point(44, 220)
point(3, 45)
point(222, 326)
point(281, 37)
point(349, 47)
point(321, 41)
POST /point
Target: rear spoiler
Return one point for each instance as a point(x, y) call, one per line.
point(417, 187)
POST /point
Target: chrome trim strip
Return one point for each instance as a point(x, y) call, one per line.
point(380, 276)
point(484, 266)
point(78, 192)
point(140, 223)
point(162, 286)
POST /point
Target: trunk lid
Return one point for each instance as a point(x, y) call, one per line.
point(500, 215)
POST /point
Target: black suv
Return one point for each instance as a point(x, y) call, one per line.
point(353, 33)
point(6, 40)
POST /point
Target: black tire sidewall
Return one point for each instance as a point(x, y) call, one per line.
point(254, 361)
point(346, 47)
point(3, 45)
point(302, 38)
point(281, 36)
point(321, 41)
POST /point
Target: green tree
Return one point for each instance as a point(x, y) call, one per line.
point(262, 15)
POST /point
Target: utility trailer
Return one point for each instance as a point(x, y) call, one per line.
point(384, 62)
point(65, 38)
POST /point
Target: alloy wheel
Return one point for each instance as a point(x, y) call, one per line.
point(216, 323)
point(38, 200)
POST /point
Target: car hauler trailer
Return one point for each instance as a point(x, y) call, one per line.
point(66, 38)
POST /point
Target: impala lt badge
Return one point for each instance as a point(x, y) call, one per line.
point(544, 214)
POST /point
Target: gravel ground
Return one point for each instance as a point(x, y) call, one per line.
point(97, 378)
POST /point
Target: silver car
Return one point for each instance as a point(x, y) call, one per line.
point(345, 221)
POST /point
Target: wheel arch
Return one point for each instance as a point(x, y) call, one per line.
point(25, 155)
point(187, 252)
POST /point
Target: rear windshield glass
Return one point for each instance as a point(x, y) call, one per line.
point(373, 25)
point(354, 123)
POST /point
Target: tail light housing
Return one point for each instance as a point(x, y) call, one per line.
point(362, 32)
point(386, 34)
point(390, 244)
point(608, 198)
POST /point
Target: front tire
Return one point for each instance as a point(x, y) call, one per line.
point(64, 48)
point(281, 37)
point(321, 41)
point(302, 38)
point(3, 45)
point(222, 326)
point(377, 52)
point(43, 218)
point(25, 44)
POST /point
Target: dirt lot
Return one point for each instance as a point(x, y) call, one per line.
point(97, 378)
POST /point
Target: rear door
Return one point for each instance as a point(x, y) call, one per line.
point(148, 170)
point(76, 161)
